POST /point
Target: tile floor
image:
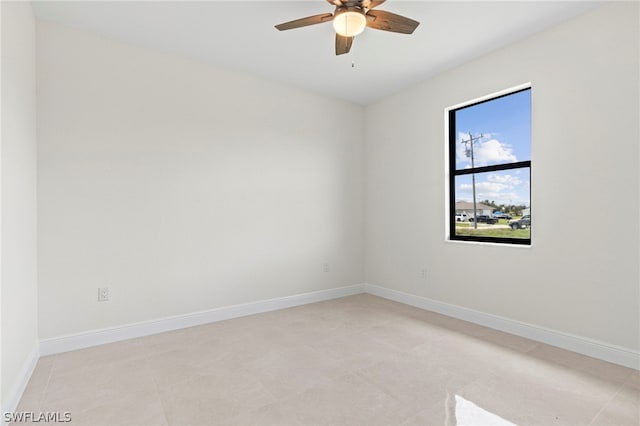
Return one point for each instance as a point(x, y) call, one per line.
point(359, 360)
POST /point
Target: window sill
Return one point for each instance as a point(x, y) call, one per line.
point(487, 243)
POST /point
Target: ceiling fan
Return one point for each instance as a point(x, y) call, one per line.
point(351, 17)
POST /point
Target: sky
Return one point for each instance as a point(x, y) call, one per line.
point(505, 124)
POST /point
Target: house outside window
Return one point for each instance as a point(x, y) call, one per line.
point(489, 167)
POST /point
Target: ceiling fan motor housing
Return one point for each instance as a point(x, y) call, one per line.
point(349, 21)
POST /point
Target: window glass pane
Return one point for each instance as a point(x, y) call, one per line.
point(500, 129)
point(502, 204)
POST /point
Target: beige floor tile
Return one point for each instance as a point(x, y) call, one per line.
point(436, 415)
point(467, 356)
point(428, 317)
point(405, 334)
point(283, 335)
point(296, 370)
point(42, 370)
point(347, 400)
point(378, 303)
point(172, 340)
point(81, 390)
point(29, 403)
point(178, 365)
point(358, 360)
point(268, 415)
point(356, 350)
point(138, 409)
point(308, 329)
point(214, 398)
point(454, 325)
point(359, 316)
point(33, 395)
point(243, 353)
point(563, 377)
point(634, 380)
point(623, 409)
point(413, 381)
point(587, 364)
point(505, 339)
point(244, 326)
point(97, 357)
point(283, 316)
point(554, 396)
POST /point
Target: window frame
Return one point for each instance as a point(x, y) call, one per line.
point(452, 172)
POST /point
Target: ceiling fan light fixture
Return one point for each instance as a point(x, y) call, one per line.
point(349, 23)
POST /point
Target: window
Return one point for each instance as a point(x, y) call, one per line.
point(490, 169)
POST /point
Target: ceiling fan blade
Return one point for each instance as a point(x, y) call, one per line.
point(343, 44)
point(370, 4)
point(387, 21)
point(336, 3)
point(303, 22)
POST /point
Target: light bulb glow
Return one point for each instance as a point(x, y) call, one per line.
point(349, 23)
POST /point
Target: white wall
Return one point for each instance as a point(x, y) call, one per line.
point(18, 261)
point(581, 275)
point(184, 187)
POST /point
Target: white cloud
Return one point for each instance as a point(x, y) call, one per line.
point(499, 187)
point(493, 151)
point(485, 152)
point(483, 188)
point(507, 180)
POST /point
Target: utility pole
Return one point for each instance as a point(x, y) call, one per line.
point(468, 150)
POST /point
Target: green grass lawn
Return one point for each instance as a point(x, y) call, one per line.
point(466, 229)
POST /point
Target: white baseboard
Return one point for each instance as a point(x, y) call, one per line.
point(114, 334)
point(14, 395)
point(582, 345)
point(604, 351)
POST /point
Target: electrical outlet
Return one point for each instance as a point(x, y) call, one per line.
point(103, 294)
point(326, 267)
point(423, 273)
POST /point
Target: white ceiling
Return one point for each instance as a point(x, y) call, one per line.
point(240, 35)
